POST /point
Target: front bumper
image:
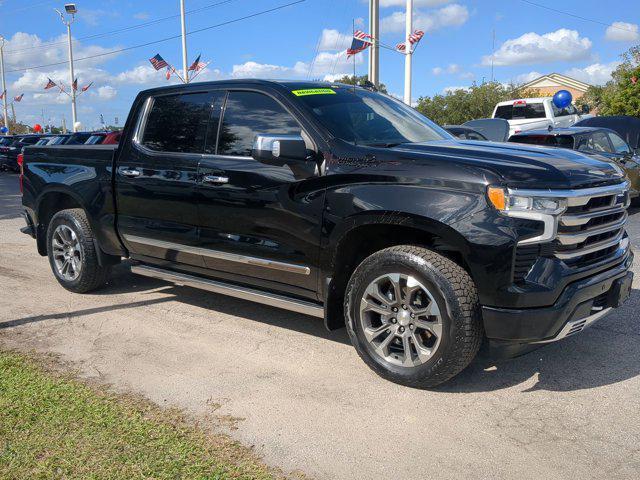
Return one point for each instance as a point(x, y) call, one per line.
point(580, 304)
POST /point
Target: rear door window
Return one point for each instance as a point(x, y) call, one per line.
point(619, 145)
point(521, 111)
point(595, 142)
point(248, 114)
point(178, 123)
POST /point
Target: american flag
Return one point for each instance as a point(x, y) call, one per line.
point(74, 85)
point(2, 95)
point(197, 65)
point(169, 72)
point(87, 87)
point(50, 84)
point(18, 98)
point(414, 38)
point(361, 41)
point(158, 62)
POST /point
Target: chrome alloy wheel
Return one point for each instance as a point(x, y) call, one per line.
point(401, 320)
point(67, 252)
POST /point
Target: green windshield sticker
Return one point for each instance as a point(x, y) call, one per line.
point(313, 91)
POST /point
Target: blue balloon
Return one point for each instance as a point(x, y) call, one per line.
point(3, 129)
point(562, 99)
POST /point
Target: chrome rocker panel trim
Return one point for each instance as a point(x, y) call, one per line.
point(244, 293)
point(231, 257)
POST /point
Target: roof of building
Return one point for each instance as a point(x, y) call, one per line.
point(556, 80)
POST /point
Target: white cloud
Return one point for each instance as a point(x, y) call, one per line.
point(526, 77)
point(454, 89)
point(451, 69)
point(265, 70)
point(333, 40)
point(141, 16)
point(416, 3)
point(106, 92)
point(622, 32)
point(452, 15)
point(596, 74)
point(24, 50)
point(532, 48)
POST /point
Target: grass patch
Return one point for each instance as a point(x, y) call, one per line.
point(53, 426)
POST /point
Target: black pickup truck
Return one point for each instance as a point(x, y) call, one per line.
point(339, 202)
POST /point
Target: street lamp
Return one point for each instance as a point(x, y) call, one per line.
point(70, 9)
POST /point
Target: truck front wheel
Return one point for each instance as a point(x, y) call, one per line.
point(72, 252)
point(413, 315)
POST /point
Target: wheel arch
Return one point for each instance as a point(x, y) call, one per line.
point(365, 234)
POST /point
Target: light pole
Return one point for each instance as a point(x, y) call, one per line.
point(407, 53)
point(71, 9)
point(185, 67)
point(4, 85)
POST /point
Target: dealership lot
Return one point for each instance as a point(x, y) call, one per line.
point(278, 381)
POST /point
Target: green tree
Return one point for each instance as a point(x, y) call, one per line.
point(359, 80)
point(621, 95)
point(478, 101)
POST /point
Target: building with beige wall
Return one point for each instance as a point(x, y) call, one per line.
point(548, 85)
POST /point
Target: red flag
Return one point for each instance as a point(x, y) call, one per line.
point(86, 87)
point(169, 71)
point(50, 84)
point(18, 98)
point(2, 95)
point(197, 65)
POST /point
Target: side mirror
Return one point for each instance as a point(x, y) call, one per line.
point(586, 109)
point(279, 149)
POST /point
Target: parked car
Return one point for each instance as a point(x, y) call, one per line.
point(526, 114)
point(338, 202)
point(51, 140)
point(112, 138)
point(625, 126)
point(9, 153)
point(602, 142)
point(78, 138)
point(493, 129)
point(464, 133)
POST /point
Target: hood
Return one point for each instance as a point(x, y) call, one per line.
point(523, 166)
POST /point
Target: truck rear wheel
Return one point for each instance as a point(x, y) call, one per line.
point(413, 316)
point(72, 252)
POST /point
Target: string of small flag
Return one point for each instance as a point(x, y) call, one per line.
point(51, 84)
point(362, 40)
point(17, 98)
point(160, 63)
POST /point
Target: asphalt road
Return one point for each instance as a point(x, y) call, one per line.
point(300, 395)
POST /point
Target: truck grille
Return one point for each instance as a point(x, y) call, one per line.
point(592, 227)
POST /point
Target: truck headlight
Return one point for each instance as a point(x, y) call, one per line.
point(529, 207)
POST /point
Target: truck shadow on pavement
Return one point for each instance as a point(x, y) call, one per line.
point(606, 353)
point(10, 197)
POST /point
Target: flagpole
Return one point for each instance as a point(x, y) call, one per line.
point(375, 48)
point(4, 85)
point(185, 67)
point(407, 53)
point(353, 32)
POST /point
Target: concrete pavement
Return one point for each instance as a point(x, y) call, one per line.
point(278, 381)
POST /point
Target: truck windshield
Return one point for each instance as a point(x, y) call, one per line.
point(368, 118)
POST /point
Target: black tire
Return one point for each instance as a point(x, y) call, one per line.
point(456, 297)
point(92, 275)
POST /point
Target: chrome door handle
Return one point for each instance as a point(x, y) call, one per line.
point(131, 172)
point(215, 179)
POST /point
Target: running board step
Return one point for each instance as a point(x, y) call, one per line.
point(244, 293)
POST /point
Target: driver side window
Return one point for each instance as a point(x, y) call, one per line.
point(248, 114)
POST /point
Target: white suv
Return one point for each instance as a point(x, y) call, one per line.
point(535, 114)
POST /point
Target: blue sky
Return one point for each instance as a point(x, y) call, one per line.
point(306, 40)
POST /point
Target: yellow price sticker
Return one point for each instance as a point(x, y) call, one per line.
point(313, 91)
